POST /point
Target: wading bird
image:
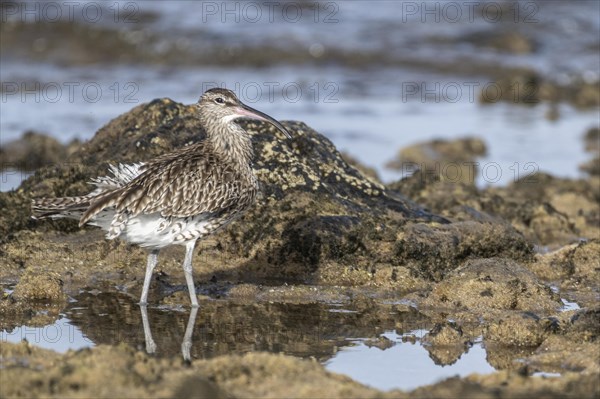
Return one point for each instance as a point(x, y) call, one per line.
point(179, 197)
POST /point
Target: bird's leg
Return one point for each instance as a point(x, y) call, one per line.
point(186, 344)
point(187, 270)
point(150, 345)
point(152, 259)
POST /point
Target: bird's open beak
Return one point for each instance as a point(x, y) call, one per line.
point(245, 111)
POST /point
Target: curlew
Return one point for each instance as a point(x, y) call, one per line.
point(177, 198)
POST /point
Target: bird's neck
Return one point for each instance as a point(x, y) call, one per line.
point(232, 143)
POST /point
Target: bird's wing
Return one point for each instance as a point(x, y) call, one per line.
point(183, 183)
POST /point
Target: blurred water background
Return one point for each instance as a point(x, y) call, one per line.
point(373, 76)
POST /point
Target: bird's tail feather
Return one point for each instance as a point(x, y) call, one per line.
point(69, 207)
point(98, 204)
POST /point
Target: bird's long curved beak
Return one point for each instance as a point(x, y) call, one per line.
point(244, 111)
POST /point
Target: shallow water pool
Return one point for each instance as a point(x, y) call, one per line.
point(378, 345)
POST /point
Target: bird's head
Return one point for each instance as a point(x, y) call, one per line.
point(222, 105)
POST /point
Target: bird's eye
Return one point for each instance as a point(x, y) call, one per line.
point(219, 100)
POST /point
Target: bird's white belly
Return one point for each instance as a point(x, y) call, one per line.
point(155, 231)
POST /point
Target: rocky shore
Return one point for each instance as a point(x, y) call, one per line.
point(467, 262)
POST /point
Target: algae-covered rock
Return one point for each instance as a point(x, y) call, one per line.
point(584, 325)
point(519, 329)
point(104, 372)
point(558, 353)
point(318, 219)
point(39, 286)
point(36, 300)
point(120, 371)
point(577, 263)
point(276, 376)
point(446, 160)
point(446, 343)
point(528, 87)
point(528, 82)
point(592, 139)
point(34, 150)
point(432, 252)
point(548, 211)
point(592, 145)
point(592, 166)
point(368, 171)
point(485, 285)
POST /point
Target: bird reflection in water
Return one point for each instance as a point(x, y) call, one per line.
point(186, 344)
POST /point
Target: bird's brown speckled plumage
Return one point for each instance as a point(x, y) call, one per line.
point(195, 180)
point(178, 197)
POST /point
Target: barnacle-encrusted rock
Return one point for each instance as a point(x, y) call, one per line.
point(447, 160)
point(549, 211)
point(34, 150)
point(486, 285)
